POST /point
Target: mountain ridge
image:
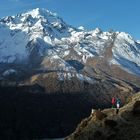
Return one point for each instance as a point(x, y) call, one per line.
point(40, 46)
point(106, 124)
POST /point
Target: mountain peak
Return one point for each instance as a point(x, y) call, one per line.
point(97, 30)
point(35, 12)
point(40, 12)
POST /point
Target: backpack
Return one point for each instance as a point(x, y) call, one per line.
point(118, 101)
point(113, 100)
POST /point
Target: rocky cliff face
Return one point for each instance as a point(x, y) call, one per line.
point(106, 125)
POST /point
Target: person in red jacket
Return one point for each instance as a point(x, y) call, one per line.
point(113, 102)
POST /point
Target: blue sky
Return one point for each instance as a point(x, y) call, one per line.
point(122, 15)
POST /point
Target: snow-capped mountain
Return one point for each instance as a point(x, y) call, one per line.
point(42, 41)
point(19, 32)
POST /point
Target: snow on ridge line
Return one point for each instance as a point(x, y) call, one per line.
point(69, 75)
point(82, 28)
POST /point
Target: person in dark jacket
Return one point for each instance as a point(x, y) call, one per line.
point(118, 102)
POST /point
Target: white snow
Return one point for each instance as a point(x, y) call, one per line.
point(95, 32)
point(126, 37)
point(58, 40)
point(69, 75)
point(81, 28)
point(126, 53)
point(48, 40)
point(138, 41)
point(12, 47)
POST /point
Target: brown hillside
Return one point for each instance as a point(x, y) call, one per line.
point(124, 126)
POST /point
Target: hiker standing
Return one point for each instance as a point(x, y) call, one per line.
point(113, 102)
point(117, 105)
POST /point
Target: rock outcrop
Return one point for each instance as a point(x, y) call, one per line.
point(124, 126)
